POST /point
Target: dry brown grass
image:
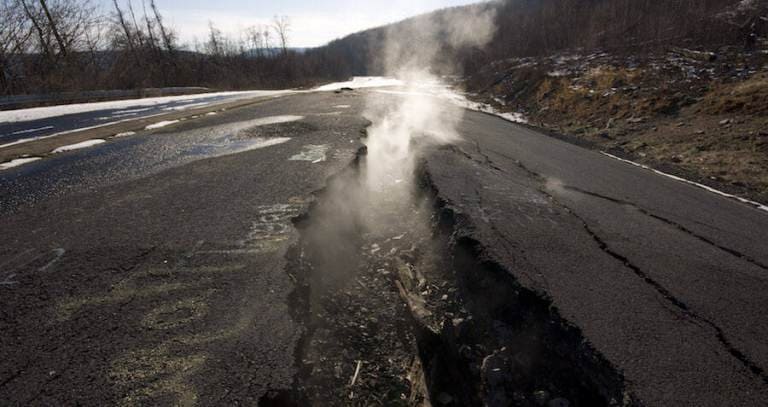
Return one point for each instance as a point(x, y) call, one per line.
point(605, 77)
point(598, 96)
point(746, 97)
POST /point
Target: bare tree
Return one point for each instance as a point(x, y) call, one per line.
point(214, 46)
point(255, 40)
point(150, 27)
point(165, 33)
point(282, 27)
point(53, 26)
point(267, 37)
point(14, 36)
point(126, 30)
point(32, 14)
point(136, 27)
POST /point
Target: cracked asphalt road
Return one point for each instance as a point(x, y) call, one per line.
point(134, 273)
point(150, 269)
point(666, 280)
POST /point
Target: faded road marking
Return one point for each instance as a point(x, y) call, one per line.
point(58, 254)
point(7, 281)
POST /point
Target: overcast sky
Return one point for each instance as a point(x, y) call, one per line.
point(313, 22)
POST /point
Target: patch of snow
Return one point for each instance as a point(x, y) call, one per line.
point(562, 59)
point(524, 65)
point(513, 117)
point(312, 153)
point(557, 73)
point(161, 124)
point(125, 134)
point(261, 143)
point(757, 205)
point(211, 114)
point(460, 100)
point(78, 146)
point(359, 82)
point(403, 92)
point(263, 121)
point(17, 162)
point(342, 107)
point(37, 113)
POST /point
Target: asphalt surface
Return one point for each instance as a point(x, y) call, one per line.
point(128, 282)
point(151, 269)
point(12, 131)
point(665, 280)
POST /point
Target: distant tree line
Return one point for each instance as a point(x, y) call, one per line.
point(61, 45)
point(65, 45)
point(543, 27)
point(534, 27)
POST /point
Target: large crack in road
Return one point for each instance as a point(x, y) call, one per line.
point(402, 307)
point(470, 271)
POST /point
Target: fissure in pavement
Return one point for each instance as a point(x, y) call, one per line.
point(401, 307)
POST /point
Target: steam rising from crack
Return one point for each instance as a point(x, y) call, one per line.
point(416, 52)
point(380, 201)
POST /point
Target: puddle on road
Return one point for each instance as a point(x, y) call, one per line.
point(236, 139)
point(312, 153)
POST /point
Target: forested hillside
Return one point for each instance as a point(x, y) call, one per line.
point(679, 85)
point(542, 27)
point(65, 45)
point(72, 45)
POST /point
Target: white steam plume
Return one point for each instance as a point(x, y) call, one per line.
point(380, 201)
point(416, 52)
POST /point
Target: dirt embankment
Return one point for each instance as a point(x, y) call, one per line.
point(703, 114)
